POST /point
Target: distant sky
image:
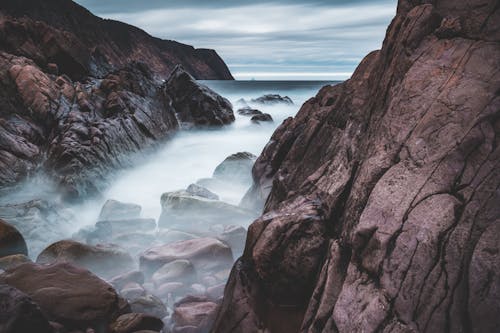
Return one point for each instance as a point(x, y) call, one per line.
point(280, 39)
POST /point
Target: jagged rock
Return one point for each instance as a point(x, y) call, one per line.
point(52, 33)
point(273, 99)
point(196, 104)
point(206, 254)
point(381, 194)
point(103, 260)
point(133, 322)
point(11, 241)
point(236, 168)
point(19, 313)
point(116, 210)
point(266, 117)
point(248, 111)
point(68, 295)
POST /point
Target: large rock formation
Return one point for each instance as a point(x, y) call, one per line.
point(382, 193)
point(81, 44)
point(81, 95)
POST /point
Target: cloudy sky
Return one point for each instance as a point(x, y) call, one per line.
point(280, 39)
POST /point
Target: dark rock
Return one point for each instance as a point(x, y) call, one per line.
point(11, 241)
point(236, 168)
point(68, 295)
point(133, 322)
point(196, 104)
point(381, 195)
point(266, 117)
point(19, 314)
point(200, 191)
point(116, 210)
point(273, 99)
point(81, 44)
point(104, 260)
point(206, 254)
point(248, 111)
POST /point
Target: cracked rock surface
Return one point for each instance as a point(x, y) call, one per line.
point(380, 197)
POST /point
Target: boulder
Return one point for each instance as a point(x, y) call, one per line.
point(104, 260)
point(13, 261)
point(19, 314)
point(121, 280)
point(206, 254)
point(248, 111)
point(132, 291)
point(11, 241)
point(195, 104)
point(66, 294)
point(133, 322)
point(272, 99)
point(150, 305)
point(236, 168)
point(185, 210)
point(197, 314)
point(116, 210)
point(265, 117)
point(176, 271)
point(234, 236)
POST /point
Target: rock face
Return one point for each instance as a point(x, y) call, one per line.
point(11, 241)
point(63, 36)
point(381, 196)
point(19, 313)
point(80, 95)
point(68, 295)
point(196, 104)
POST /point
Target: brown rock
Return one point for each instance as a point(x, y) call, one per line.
point(205, 254)
point(68, 295)
point(11, 241)
point(19, 313)
point(394, 173)
point(104, 260)
point(197, 314)
point(133, 322)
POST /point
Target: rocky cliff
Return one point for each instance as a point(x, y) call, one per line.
point(81, 44)
point(381, 196)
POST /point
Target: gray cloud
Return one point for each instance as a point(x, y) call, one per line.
point(263, 39)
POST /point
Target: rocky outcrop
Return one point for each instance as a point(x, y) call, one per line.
point(79, 44)
point(79, 131)
point(381, 196)
point(273, 99)
point(80, 96)
point(196, 104)
point(67, 295)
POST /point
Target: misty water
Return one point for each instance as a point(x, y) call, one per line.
point(187, 157)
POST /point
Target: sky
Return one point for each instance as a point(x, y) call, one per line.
point(265, 40)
